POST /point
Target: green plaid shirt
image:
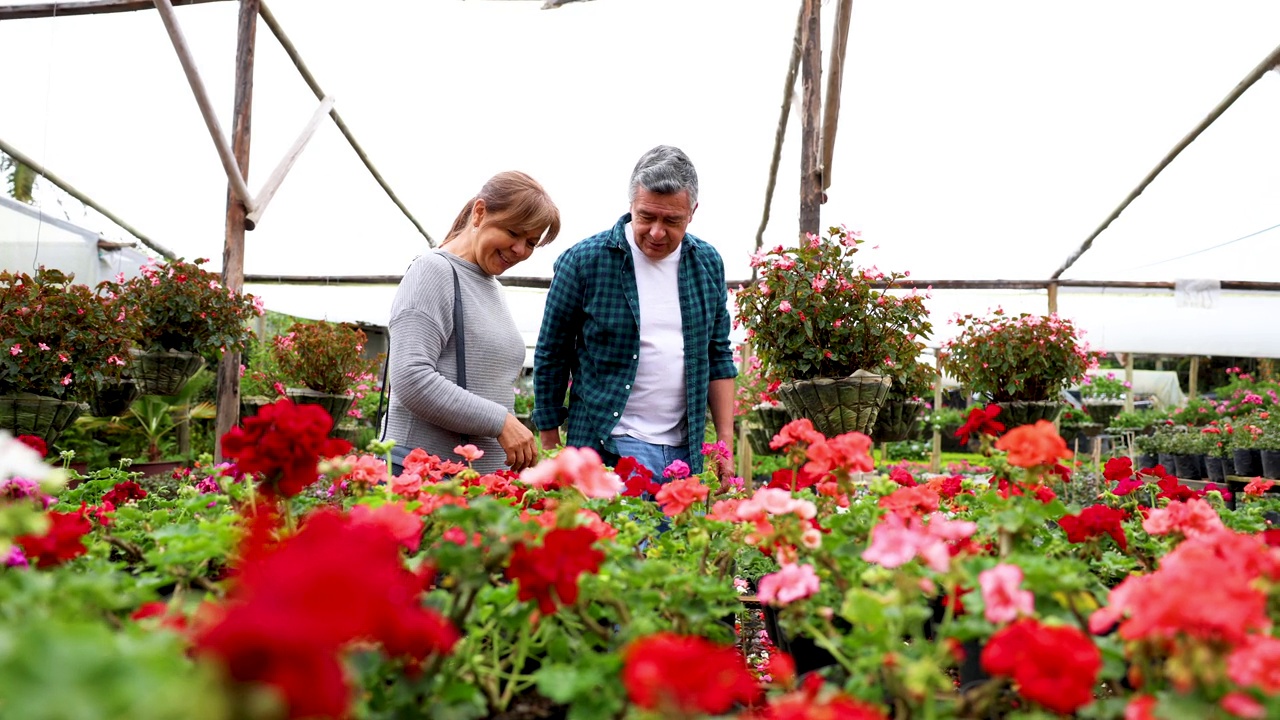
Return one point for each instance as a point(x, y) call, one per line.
point(591, 334)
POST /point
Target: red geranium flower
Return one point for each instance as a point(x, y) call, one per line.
point(1095, 521)
point(123, 492)
point(686, 674)
point(981, 420)
point(563, 556)
point(284, 442)
point(1118, 468)
point(1055, 666)
point(36, 443)
point(636, 478)
point(63, 540)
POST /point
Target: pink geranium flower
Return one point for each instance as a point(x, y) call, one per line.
point(793, 582)
point(1003, 595)
point(580, 468)
point(469, 453)
point(393, 517)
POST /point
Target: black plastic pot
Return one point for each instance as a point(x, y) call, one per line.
point(1214, 469)
point(1248, 462)
point(1146, 462)
point(1271, 464)
point(1188, 467)
point(1167, 460)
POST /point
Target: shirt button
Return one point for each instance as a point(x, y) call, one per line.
point(635, 357)
point(615, 414)
point(628, 387)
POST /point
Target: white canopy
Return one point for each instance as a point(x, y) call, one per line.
point(978, 140)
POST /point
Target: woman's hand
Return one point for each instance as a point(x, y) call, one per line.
point(515, 438)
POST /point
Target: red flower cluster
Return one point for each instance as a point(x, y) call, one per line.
point(1096, 521)
point(980, 420)
point(1055, 666)
point(35, 442)
point(686, 674)
point(563, 556)
point(805, 704)
point(123, 492)
point(63, 541)
point(284, 442)
point(296, 605)
point(636, 478)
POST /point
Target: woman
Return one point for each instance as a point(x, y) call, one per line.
point(497, 229)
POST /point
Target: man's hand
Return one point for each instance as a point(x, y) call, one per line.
point(516, 439)
point(550, 439)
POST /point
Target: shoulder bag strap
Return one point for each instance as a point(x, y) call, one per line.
point(459, 337)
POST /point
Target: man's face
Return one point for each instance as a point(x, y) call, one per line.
point(659, 221)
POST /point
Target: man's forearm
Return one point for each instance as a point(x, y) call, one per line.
point(720, 400)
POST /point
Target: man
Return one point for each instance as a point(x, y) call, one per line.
point(636, 330)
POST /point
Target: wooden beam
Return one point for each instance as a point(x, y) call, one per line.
point(85, 7)
point(746, 459)
point(1128, 378)
point(1053, 298)
point(1193, 382)
point(233, 246)
point(788, 92)
point(235, 175)
point(810, 124)
point(835, 79)
point(274, 26)
point(1269, 62)
point(268, 191)
point(66, 187)
point(935, 457)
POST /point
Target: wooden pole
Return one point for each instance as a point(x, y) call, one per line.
point(788, 90)
point(1268, 63)
point(746, 459)
point(935, 461)
point(233, 245)
point(1193, 384)
point(287, 45)
point(85, 7)
point(835, 79)
point(1053, 298)
point(44, 172)
point(810, 127)
point(235, 175)
point(1128, 377)
point(277, 176)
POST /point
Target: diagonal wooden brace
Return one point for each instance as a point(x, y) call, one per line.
point(234, 176)
point(268, 190)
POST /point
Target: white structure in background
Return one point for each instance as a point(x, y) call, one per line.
point(30, 238)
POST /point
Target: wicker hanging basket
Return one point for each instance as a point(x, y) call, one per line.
point(840, 405)
point(113, 398)
point(897, 420)
point(763, 423)
point(336, 405)
point(163, 373)
point(1026, 412)
point(39, 415)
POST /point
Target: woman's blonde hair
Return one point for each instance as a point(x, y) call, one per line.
point(518, 202)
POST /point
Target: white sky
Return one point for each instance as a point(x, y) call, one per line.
point(978, 140)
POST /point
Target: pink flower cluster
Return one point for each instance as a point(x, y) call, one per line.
point(901, 538)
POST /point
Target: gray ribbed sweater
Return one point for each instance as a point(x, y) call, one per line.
point(428, 409)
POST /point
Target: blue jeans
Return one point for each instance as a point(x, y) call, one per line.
point(654, 457)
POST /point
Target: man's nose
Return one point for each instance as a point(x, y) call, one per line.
point(657, 232)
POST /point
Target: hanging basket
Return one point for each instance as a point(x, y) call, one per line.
point(336, 405)
point(1027, 412)
point(39, 415)
point(840, 405)
point(1103, 411)
point(763, 423)
point(163, 373)
point(113, 398)
point(897, 420)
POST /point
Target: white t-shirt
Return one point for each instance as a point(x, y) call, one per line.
point(655, 411)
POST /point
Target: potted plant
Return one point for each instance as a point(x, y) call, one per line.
point(1217, 461)
point(1246, 454)
point(897, 420)
point(58, 341)
point(185, 317)
point(1144, 446)
point(820, 324)
point(1187, 447)
point(321, 363)
point(1268, 444)
point(260, 382)
point(1022, 362)
point(1164, 446)
point(1103, 396)
point(1140, 422)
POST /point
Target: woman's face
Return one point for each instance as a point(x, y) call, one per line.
point(497, 247)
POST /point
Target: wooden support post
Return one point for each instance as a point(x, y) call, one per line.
point(835, 78)
point(780, 134)
point(810, 123)
point(935, 460)
point(1128, 378)
point(746, 462)
point(233, 245)
point(277, 176)
point(1053, 298)
point(1193, 384)
point(235, 175)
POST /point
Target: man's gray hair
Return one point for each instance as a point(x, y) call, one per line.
point(665, 170)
